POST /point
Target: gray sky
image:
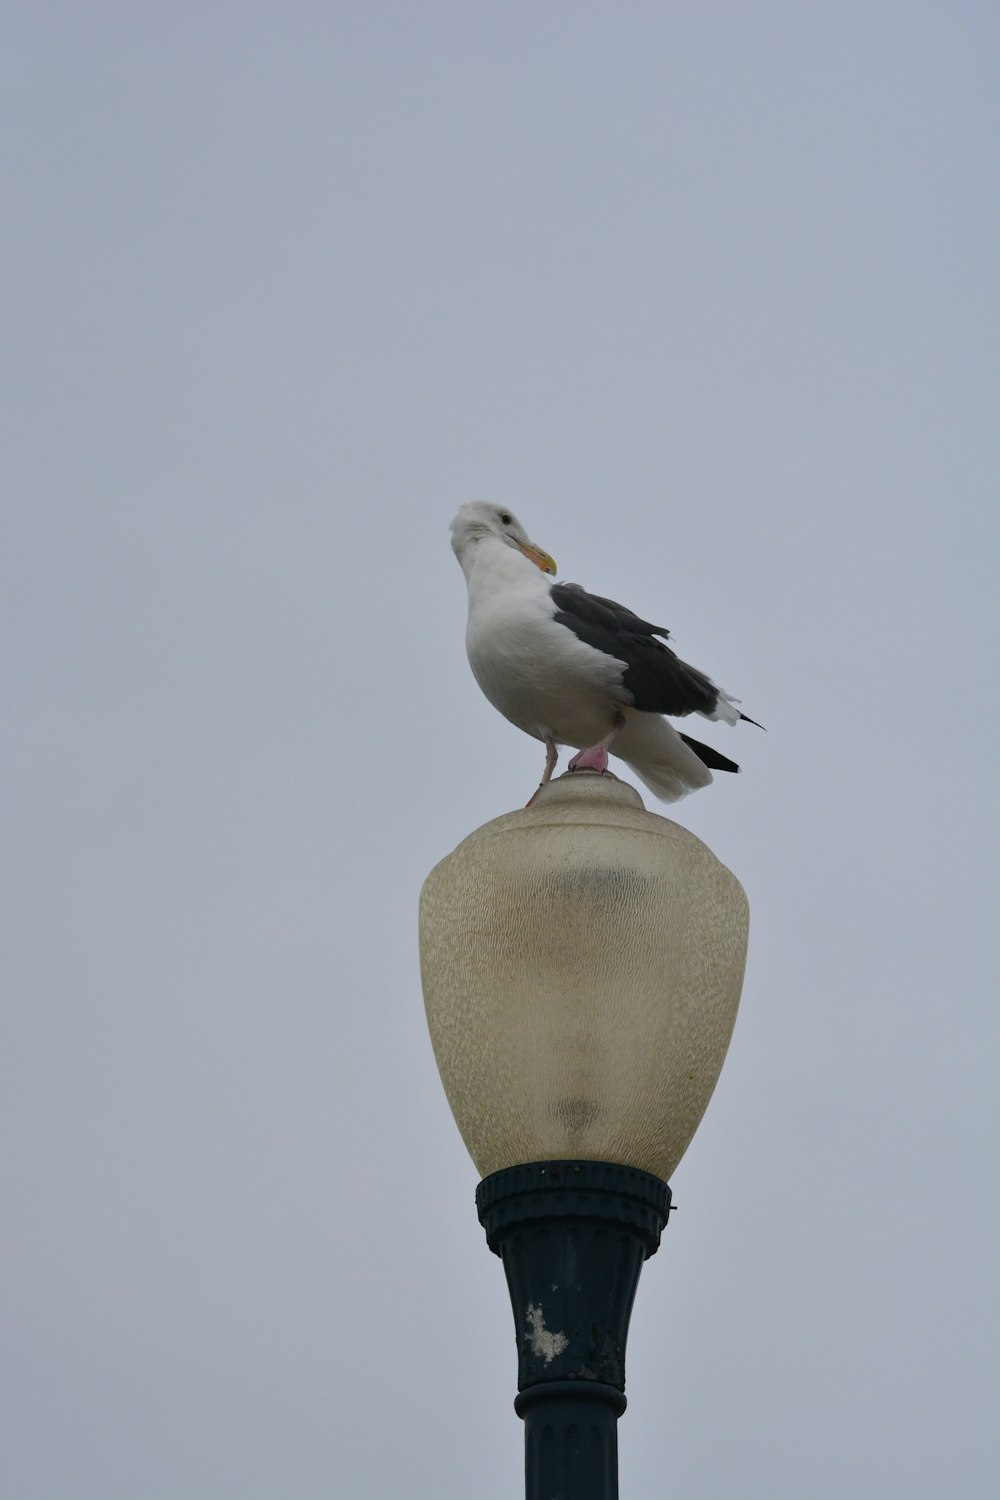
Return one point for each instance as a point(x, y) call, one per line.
point(707, 294)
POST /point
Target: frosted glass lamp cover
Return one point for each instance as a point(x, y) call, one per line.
point(582, 961)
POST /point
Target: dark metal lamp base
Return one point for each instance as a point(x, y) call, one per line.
point(572, 1236)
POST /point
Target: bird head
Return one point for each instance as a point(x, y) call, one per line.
point(479, 520)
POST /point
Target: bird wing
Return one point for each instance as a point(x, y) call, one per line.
point(655, 677)
point(600, 612)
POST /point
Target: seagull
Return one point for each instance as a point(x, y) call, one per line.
point(573, 668)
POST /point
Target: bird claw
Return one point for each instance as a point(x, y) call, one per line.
point(594, 759)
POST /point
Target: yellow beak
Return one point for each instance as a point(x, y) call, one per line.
point(538, 557)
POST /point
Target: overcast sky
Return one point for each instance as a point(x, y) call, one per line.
point(707, 294)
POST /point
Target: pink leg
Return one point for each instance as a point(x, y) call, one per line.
point(596, 757)
point(551, 756)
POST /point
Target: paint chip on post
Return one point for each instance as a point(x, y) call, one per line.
point(544, 1344)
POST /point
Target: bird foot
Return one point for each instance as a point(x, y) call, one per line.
point(551, 757)
point(594, 759)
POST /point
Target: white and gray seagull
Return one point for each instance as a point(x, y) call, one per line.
point(572, 668)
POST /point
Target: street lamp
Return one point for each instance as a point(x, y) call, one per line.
point(581, 961)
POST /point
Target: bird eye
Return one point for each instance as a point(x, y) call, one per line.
point(506, 517)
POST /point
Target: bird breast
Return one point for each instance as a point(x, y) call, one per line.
point(537, 673)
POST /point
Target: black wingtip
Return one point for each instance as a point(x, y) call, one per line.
point(709, 756)
point(747, 720)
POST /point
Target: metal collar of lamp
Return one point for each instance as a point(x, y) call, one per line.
point(582, 961)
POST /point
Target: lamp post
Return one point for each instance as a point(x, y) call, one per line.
point(581, 961)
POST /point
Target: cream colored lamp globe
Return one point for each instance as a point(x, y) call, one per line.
point(582, 962)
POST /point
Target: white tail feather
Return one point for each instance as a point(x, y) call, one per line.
point(659, 757)
point(725, 710)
